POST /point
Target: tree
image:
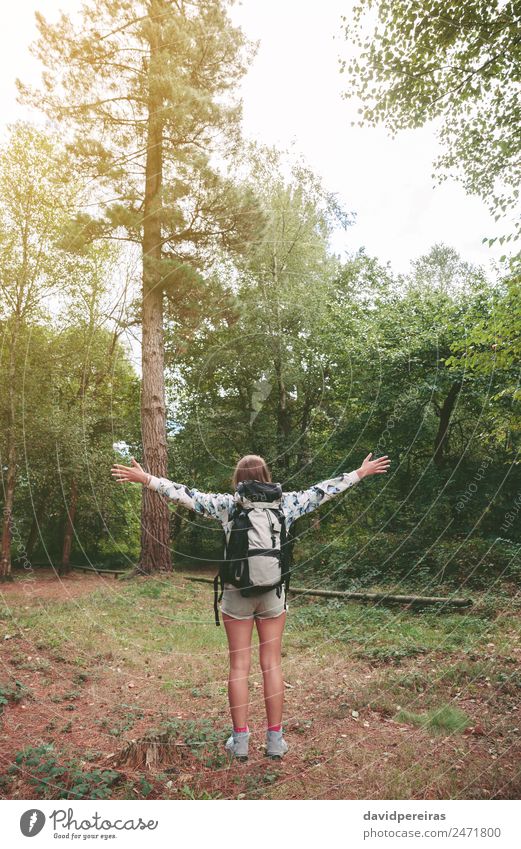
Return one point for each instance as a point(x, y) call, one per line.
point(398, 390)
point(90, 377)
point(144, 90)
point(443, 270)
point(290, 272)
point(492, 349)
point(255, 373)
point(37, 197)
point(92, 380)
point(77, 391)
point(420, 60)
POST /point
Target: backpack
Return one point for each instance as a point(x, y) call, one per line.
point(256, 552)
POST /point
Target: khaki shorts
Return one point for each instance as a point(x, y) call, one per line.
point(264, 606)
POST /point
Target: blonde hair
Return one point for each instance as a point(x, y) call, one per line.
point(251, 467)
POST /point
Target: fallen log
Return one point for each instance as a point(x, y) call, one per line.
point(114, 572)
point(416, 600)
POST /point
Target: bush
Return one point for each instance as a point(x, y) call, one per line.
point(54, 780)
point(414, 562)
point(478, 562)
point(12, 692)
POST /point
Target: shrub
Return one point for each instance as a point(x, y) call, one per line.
point(54, 780)
point(12, 692)
point(414, 562)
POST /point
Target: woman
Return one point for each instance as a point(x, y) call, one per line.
point(267, 610)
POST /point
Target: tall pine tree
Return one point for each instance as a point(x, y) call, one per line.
point(145, 93)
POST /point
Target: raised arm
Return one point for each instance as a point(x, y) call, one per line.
point(301, 502)
point(215, 505)
point(212, 505)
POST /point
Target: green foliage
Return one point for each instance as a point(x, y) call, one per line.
point(247, 385)
point(69, 386)
point(144, 787)
point(421, 562)
point(196, 733)
point(12, 691)
point(312, 362)
point(257, 784)
point(457, 62)
point(385, 634)
point(388, 373)
point(492, 346)
point(191, 793)
point(445, 719)
point(188, 62)
point(60, 377)
point(53, 778)
point(387, 655)
point(203, 739)
point(154, 590)
point(130, 715)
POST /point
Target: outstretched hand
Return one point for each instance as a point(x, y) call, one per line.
point(134, 473)
point(373, 467)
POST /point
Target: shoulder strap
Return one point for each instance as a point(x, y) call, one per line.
point(216, 598)
point(218, 581)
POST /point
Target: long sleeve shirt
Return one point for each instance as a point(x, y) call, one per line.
point(220, 505)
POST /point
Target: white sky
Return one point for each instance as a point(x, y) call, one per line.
point(293, 93)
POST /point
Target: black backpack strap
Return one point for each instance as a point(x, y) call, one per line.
point(285, 556)
point(216, 597)
point(219, 578)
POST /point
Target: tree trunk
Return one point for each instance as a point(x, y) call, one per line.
point(5, 561)
point(155, 519)
point(5, 558)
point(69, 529)
point(283, 416)
point(445, 413)
point(303, 456)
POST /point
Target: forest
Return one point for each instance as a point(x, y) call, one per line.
point(280, 348)
point(170, 291)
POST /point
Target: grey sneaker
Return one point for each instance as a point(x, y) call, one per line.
point(237, 744)
point(276, 746)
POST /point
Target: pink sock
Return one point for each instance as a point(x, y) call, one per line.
point(241, 730)
point(274, 727)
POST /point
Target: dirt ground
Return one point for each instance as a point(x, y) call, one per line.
point(336, 751)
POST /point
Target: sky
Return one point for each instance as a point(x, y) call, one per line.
point(292, 95)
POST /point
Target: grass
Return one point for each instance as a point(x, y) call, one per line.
point(387, 635)
point(156, 618)
point(168, 685)
point(443, 719)
point(438, 673)
point(156, 615)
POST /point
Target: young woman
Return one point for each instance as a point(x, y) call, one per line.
point(268, 610)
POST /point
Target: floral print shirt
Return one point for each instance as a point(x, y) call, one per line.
point(220, 505)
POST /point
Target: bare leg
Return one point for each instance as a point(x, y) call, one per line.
point(239, 633)
point(270, 640)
